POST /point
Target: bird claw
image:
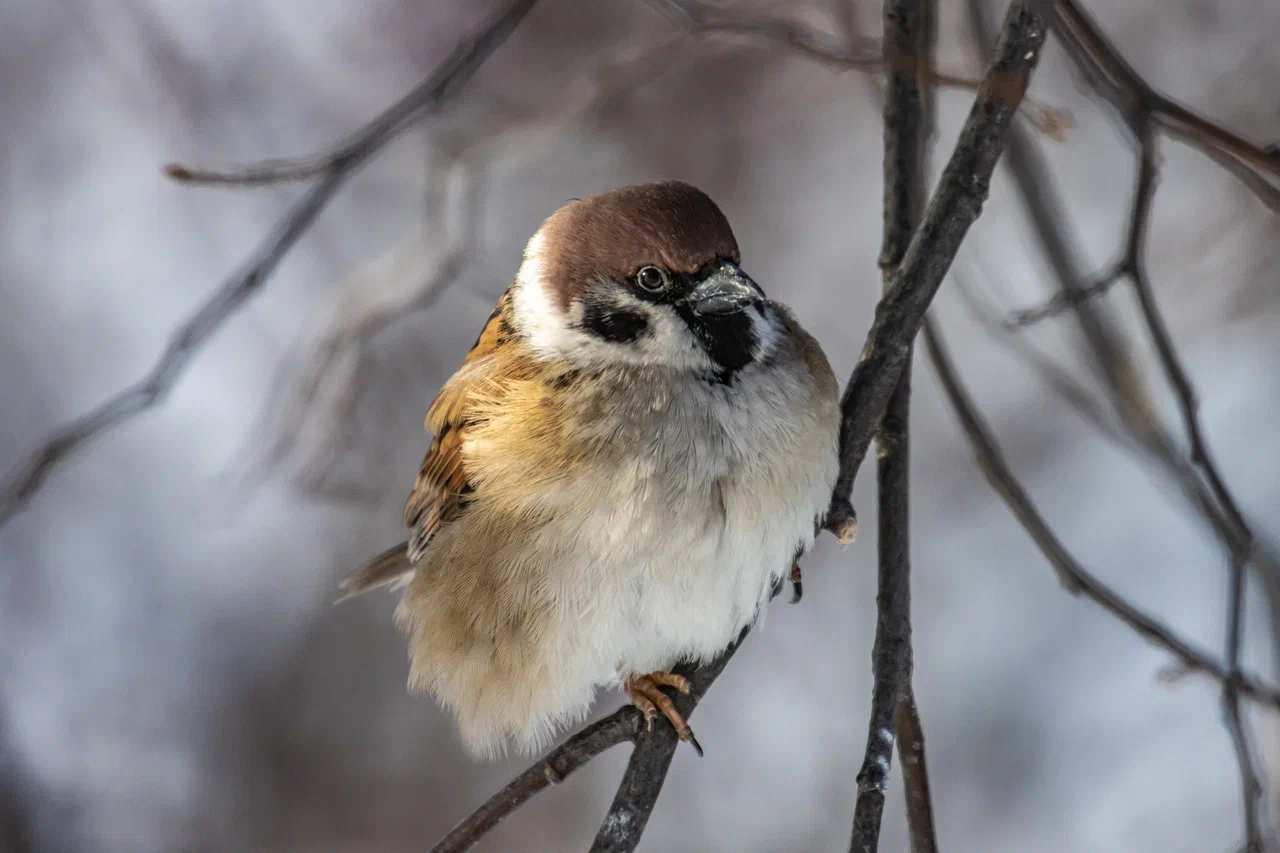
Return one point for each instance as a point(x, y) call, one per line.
point(647, 695)
point(797, 588)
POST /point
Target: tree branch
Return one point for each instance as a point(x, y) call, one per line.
point(554, 768)
point(1075, 578)
point(915, 775)
point(909, 27)
point(1140, 106)
point(633, 803)
point(331, 170)
point(853, 53)
point(955, 206)
point(1143, 112)
point(1250, 782)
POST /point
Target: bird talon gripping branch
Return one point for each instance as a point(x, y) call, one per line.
point(646, 694)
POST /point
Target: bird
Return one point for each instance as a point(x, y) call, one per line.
point(621, 474)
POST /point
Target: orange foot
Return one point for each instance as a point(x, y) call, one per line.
point(646, 694)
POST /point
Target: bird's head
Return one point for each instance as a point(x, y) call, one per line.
point(646, 276)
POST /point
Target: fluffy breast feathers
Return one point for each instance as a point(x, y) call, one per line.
point(570, 527)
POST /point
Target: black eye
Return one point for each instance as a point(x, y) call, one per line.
point(651, 279)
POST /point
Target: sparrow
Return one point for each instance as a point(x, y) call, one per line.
point(621, 474)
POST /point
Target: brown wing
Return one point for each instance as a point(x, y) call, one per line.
point(440, 491)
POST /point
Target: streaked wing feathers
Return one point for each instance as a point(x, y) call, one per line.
point(440, 489)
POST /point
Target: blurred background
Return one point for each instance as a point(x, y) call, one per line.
point(173, 675)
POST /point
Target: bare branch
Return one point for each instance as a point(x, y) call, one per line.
point(1140, 105)
point(954, 207)
point(851, 54)
point(1063, 300)
point(909, 35)
point(1198, 477)
point(23, 483)
point(1074, 577)
point(621, 726)
point(1250, 781)
point(1073, 392)
point(423, 265)
point(336, 362)
point(915, 775)
point(627, 815)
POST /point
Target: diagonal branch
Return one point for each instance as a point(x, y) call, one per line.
point(633, 804)
point(1075, 578)
point(915, 775)
point(1196, 473)
point(335, 168)
point(1141, 106)
point(909, 35)
point(954, 207)
point(853, 53)
point(1250, 781)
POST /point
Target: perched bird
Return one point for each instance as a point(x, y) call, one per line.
point(622, 472)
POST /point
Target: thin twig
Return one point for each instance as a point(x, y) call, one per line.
point(1061, 301)
point(851, 54)
point(1074, 577)
point(1059, 380)
point(954, 207)
point(1250, 781)
point(1198, 476)
point(915, 775)
point(23, 483)
point(1114, 79)
point(908, 45)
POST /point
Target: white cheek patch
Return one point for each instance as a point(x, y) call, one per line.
point(667, 341)
point(537, 317)
point(553, 333)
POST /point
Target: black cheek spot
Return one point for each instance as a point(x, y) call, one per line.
point(613, 324)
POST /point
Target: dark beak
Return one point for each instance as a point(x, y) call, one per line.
point(727, 290)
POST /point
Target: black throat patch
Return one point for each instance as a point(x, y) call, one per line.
point(729, 339)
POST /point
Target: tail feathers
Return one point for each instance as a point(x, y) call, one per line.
point(388, 567)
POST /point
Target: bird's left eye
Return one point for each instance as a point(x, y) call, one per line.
point(651, 279)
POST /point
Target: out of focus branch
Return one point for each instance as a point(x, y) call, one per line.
point(333, 360)
point(335, 363)
point(1143, 109)
point(852, 53)
point(1075, 578)
point(1250, 781)
point(915, 775)
point(331, 172)
point(1144, 112)
point(909, 35)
